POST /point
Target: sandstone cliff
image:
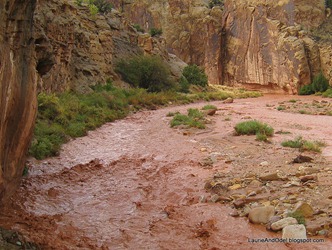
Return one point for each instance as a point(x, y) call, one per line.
point(258, 44)
point(17, 89)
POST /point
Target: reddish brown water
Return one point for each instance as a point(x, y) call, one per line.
point(137, 183)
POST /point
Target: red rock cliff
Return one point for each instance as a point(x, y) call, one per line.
point(17, 89)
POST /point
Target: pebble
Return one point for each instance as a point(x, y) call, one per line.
point(264, 164)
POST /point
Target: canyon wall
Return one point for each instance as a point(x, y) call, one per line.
point(76, 49)
point(258, 44)
point(17, 90)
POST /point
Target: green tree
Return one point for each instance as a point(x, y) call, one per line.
point(148, 72)
point(195, 75)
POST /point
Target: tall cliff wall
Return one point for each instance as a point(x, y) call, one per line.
point(259, 44)
point(17, 89)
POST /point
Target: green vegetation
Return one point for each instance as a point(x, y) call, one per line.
point(195, 119)
point(319, 84)
point(213, 3)
point(148, 72)
point(328, 93)
point(209, 106)
point(298, 216)
point(138, 28)
point(279, 108)
point(292, 101)
point(195, 75)
point(96, 6)
point(66, 115)
point(155, 32)
point(261, 137)
point(303, 145)
point(328, 4)
point(254, 127)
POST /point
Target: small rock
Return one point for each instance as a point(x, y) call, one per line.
point(211, 112)
point(294, 232)
point(307, 178)
point(304, 209)
point(203, 149)
point(235, 187)
point(228, 100)
point(264, 164)
point(255, 184)
point(279, 225)
point(302, 159)
point(272, 220)
point(239, 203)
point(253, 193)
point(261, 215)
point(202, 199)
point(270, 177)
point(313, 227)
point(214, 198)
point(234, 213)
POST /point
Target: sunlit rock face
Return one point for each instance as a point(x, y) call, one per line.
point(17, 89)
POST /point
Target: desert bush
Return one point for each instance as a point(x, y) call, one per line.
point(103, 6)
point(319, 84)
point(253, 127)
point(209, 106)
point(328, 4)
point(195, 119)
point(195, 75)
point(328, 93)
point(148, 72)
point(155, 32)
point(184, 85)
point(303, 145)
point(298, 216)
point(213, 3)
point(138, 28)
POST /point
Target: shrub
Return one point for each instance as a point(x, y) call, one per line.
point(93, 9)
point(209, 106)
point(195, 75)
point(155, 32)
point(138, 28)
point(103, 6)
point(303, 145)
point(213, 3)
point(298, 216)
point(184, 85)
point(148, 72)
point(328, 93)
point(328, 4)
point(261, 137)
point(319, 84)
point(253, 127)
point(79, 2)
point(297, 143)
point(195, 119)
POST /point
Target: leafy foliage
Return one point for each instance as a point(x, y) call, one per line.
point(155, 32)
point(148, 72)
point(195, 75)
point(103, 6)
point(319, 84)
point(209, 106)
point(328, 4)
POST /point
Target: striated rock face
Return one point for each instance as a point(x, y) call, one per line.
point(265, 47)
point(192, 31)
point(258, 44)
point(17, 89)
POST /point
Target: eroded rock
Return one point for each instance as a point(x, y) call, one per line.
point(261, 215)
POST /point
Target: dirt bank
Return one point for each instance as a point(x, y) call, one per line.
point(139, 184)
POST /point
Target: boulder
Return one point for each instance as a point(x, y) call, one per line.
point(261, 215)
point(279, 225)
point(292, 232)
point(304, 209)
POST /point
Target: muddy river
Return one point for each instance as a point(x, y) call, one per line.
point(139, 184)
